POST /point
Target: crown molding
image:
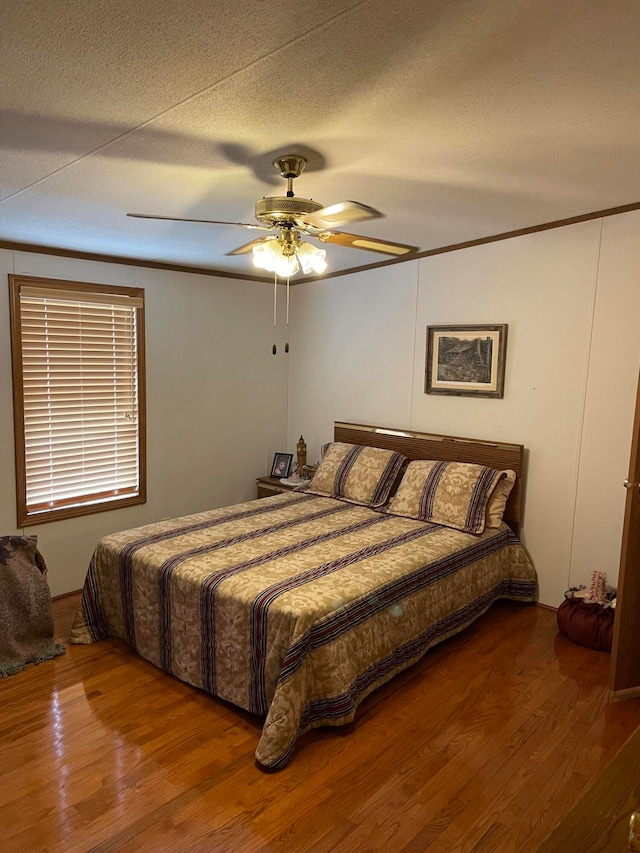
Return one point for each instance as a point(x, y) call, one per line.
point(132, 262)
point(211, 271)
point(480, 241)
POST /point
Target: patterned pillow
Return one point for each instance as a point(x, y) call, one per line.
point(454, 494)
point(499, 498)
point(362, 475)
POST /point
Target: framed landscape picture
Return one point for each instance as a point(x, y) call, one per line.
point(466, 361)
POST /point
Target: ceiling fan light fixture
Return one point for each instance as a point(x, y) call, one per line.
point(285, 255)
point(270, 256)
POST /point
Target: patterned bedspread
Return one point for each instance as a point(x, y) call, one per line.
point(294, 607)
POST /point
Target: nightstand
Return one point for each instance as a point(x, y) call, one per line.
point(268, 486)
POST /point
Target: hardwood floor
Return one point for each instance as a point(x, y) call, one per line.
point(599, 822)
point(484, 745)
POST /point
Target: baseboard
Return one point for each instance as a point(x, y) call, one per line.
point(65, 595)
point(627, 693)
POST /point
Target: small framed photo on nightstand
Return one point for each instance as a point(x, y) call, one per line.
point(281, 464)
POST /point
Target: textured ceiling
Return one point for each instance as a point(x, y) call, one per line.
point(458, 120)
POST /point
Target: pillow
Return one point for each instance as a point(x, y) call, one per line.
point(499, 498)
point(454, 494)
point(362, 475)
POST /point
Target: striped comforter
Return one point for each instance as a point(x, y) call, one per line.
point(294, 607)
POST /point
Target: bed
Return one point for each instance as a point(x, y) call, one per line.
point(296, 606)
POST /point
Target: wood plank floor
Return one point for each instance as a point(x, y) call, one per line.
point(485, 745)
point(599, 822)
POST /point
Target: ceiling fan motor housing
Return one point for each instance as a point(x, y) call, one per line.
point(282, 210)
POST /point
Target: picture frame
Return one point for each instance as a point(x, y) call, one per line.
point(466, 361)
point(281, 465)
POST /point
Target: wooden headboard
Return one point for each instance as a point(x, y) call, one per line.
point(422, 445)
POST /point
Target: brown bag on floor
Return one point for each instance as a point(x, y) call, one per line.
point(26, 623)
point(587, 624)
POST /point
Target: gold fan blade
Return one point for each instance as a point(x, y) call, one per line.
point(340, 214)
point(243, 250)
point(204, 221)
point(371, 244)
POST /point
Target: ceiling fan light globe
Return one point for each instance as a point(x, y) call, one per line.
point(304, 254)
point(318, 261)
point(265, 263)
point(265, 255)
point(311, 259)
point(261, 258)
point(286, 266)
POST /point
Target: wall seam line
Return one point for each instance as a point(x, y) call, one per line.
point(415, 344)
point(584, 407)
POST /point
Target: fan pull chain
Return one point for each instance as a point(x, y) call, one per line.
point(274, 348)
point(287, 301)
point(275, 298)
point(286, 346)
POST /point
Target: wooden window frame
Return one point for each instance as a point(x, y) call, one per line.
point(25, 515)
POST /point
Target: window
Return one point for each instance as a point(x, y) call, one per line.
point(78, 392)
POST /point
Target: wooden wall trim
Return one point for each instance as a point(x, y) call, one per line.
point(494, 238)
point(132, 262)
point(64, 595)
point(624, 694)
point(211, 271)
point(547, 607)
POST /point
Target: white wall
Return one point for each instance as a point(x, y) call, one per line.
point(216, 401)
point(610, 400)
point(572, 302)
point(352, 352)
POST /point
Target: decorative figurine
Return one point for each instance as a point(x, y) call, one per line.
point(301, 449)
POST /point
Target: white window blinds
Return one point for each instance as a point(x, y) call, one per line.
point(81, 411)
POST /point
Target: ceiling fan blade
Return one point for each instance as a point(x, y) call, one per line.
point(243, 250)
point(204, 221)
point(371, 244)
point(342, 213)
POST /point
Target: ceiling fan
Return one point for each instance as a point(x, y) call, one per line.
point(290, 216)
